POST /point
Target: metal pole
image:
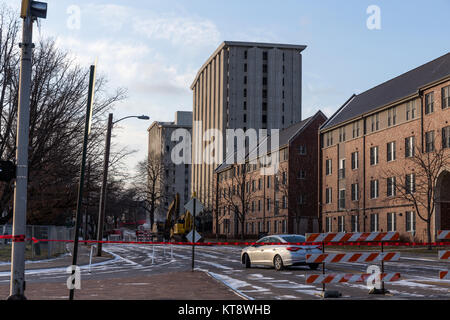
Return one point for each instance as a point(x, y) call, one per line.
point(17, 285)
point(81, 183)
point(86, 214)
point(382, 267)
point(193, 235)
point(101, 213)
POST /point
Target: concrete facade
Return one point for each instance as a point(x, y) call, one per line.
point(176, 178)
point(243, 85)
point(385, 128)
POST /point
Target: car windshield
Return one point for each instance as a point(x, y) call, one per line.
point(293, 239)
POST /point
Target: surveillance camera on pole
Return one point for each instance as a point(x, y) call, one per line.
point(30, 11)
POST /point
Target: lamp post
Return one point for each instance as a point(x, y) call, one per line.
point(101, 213)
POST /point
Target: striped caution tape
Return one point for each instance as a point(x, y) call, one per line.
point(352, 257)
point(443, 235)
point(352, 237)
point(19, 238)
point(349, 278)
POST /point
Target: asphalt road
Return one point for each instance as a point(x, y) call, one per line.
point(419, 273)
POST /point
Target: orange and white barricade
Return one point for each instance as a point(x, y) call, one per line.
point(353, 237)
point(349, 278)
point(361, 257)
point(445, 254)
point(443, 235)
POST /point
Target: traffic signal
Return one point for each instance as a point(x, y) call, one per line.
point(37, 9)
point(7, 171)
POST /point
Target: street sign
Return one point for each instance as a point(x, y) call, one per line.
point(197, 236)
point(190, 206)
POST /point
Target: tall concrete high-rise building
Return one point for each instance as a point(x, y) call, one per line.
point(243, 85)
point(176, 178)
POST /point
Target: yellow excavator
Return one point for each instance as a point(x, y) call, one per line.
point(177, 228)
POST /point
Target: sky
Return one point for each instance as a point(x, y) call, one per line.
point(155, 48)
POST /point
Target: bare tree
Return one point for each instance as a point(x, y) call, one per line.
point(150, 184)
point(57, 113)
point(415, 182)
point(238, 196)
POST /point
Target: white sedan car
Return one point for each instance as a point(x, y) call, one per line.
point(279, 255)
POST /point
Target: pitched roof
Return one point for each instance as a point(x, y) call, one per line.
point(286, 135)
point(391, 91)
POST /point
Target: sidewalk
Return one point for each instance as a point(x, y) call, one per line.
point(169, 286)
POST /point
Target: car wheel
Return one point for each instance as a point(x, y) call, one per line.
point(278, 263)
point(313, 266)
point(247, 261)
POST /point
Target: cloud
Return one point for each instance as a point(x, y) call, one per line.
point(180, 31)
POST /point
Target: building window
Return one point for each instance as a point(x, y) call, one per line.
point(341, 224)
point(446, 137)
point(268, 226)
point(391, 151)
point(285, 202)
point(392, 117)
point(302, 150)
point(375, 125)
point(429, 103)
point(411, 110)
point(374, 189)
point(355, 223)
point(245, 54)
point(341, 134)
point(391, 222)
point(264, 106)
point(342, 169)
point(410, 221)
point(245, 93)
point(264, 81)
point(410, 183)
point(355, 192)
point(410, 147)
point(391, 185)
point(373, 156)
point(264, 55)
point(374, 222)
point(283, 226)
point(329, 137)
point(245, 67)
point(342, 199)
point(268, 204)
point(328, 224)
point(302, 175)
point(328, 195)
point(329, 167)
point(445, 97)
point(264, 68)
point(264, 118)
point(355, 164)
point(301, 199)
point(429, 140)
point(268, 182)
point(355, 129)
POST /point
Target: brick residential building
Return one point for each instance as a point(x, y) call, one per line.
point(376, 133)
point(278, 203)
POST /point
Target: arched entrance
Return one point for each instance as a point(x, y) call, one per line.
point(443, 201)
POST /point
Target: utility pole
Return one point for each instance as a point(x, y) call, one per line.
point(86, 212)
point(87, 129)
point(29, 12)
point(103, 193)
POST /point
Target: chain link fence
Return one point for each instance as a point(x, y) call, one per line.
point(39, 250)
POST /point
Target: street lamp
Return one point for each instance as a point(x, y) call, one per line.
point(101, 214)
